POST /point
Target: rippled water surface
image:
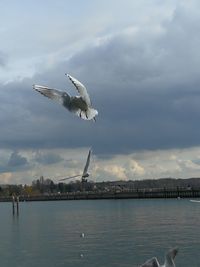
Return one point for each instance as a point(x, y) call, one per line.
point(117, 233)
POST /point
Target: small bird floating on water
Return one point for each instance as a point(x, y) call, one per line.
point(82, 235)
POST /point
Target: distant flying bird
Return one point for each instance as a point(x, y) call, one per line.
point(169, 260)
point(80, 105)
point(85, 171)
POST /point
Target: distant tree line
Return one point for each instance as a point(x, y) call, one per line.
point(47, 186)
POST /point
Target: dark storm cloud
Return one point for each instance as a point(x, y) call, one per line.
point(48, 158)
point(16, 162)
point(146, 87)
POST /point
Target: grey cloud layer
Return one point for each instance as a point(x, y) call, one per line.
point(3, 59)
point(18, 161)
point(47, 158)
point(145, 85)
point(15, 162)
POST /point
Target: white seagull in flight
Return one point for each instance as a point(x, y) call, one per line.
point(169, 260)
point(80, 105)
point(85, 171)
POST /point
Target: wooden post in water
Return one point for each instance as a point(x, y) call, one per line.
point(13, 205)
point(17, 202)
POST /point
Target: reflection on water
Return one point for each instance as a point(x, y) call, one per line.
point(116, 233)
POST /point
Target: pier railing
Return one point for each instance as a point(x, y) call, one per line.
point(114, 194)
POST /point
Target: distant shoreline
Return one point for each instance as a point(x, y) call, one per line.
point(129, 194)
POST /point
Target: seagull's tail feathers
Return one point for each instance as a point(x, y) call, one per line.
point(91, 114)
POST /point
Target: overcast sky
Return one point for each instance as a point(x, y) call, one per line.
point(140, 62)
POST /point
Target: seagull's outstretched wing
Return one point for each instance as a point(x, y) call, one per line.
point(81, 89)
point(87, 163)
point(169, 257)
point(71, 177)
point(59, 96)
point(151, 263)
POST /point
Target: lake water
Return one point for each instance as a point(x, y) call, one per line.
point(117, 233)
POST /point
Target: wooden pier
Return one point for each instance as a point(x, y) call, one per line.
point(128, 194)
